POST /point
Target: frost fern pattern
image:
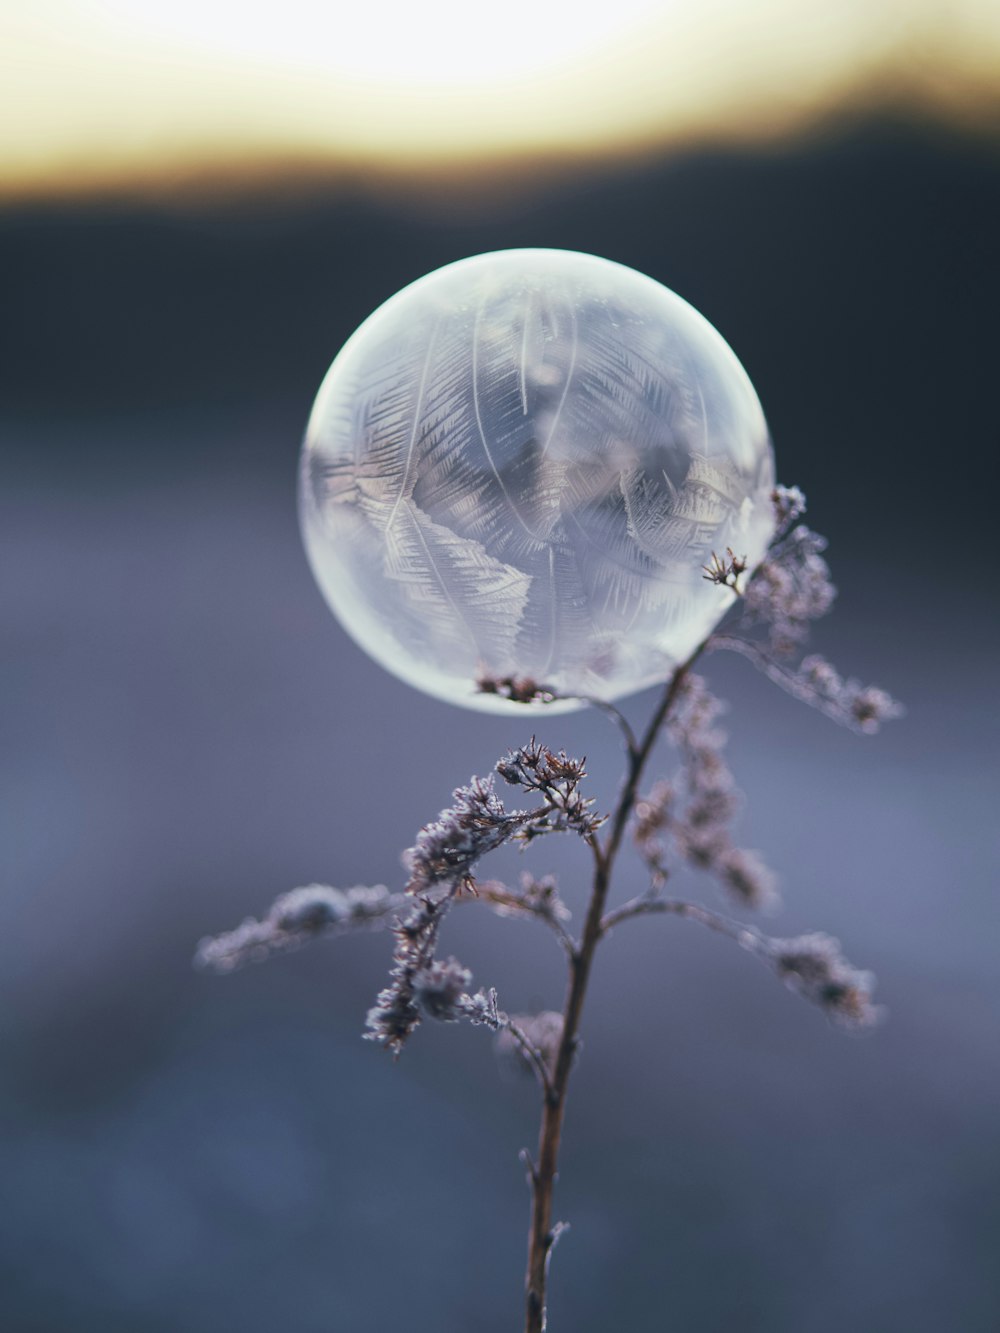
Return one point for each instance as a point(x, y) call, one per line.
point(518, 467)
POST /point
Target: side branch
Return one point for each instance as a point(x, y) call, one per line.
point(615, 714)
point(315, 911)
point(533, 1056)
point(536, 898)
point(647, 905)
point(812, 965)
point(816, 683)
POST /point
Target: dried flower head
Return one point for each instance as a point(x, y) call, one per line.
point(747, 877)
point(438, 988)
point(556, 778)
point(725, 573)
point(863, 707)
point(789, 506)
point(295, 918)
point(518, 689)
point(529, 1038)
point(441, 862)
point(790, 589)
point(814, 966)
point(698, 809)
point(449, 846)
point(481, 1010)
point(531, 897)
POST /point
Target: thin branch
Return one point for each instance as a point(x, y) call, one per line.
point(815, 682)
point(647, 905)
point(510, 903)
point(534, 1058)
point(615, 714)
point(776, 672)
point(812, 964)
point(525, 690)
point(315, 911)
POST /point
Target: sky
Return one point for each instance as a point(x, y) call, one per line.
point(129, 95)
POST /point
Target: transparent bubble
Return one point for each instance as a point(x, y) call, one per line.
point(520, 464)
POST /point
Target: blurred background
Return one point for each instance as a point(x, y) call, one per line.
point(198, 203)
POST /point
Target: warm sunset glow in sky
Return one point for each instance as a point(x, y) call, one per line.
point(129, 92)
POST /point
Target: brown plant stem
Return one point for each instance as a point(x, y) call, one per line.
point(543, 1235)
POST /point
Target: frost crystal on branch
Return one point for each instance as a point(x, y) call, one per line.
point(698, 811)
point(789, 589)
point(538, 898)
point(864, 706)
point(556, 778)
point(518, 689)
point(652, 818)
point(726, 573)
point(396, 1011)
point(448, 847)
point(295, 918)
point(481, 1010)
point(540, 1033)
point(810, 964)
point(789, 505)
point(438, 988)
point(440, 864)
point(533, 897)
point(814, 966)
point(747, 877)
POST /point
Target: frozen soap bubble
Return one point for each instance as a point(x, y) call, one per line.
point(520, 464)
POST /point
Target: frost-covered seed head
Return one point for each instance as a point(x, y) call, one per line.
point(438, 988)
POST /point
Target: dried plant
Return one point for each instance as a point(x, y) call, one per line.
point(687, 818)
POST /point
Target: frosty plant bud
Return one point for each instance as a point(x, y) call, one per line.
point(520, 466)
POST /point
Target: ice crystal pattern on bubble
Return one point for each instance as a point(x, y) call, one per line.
point(522, 464)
